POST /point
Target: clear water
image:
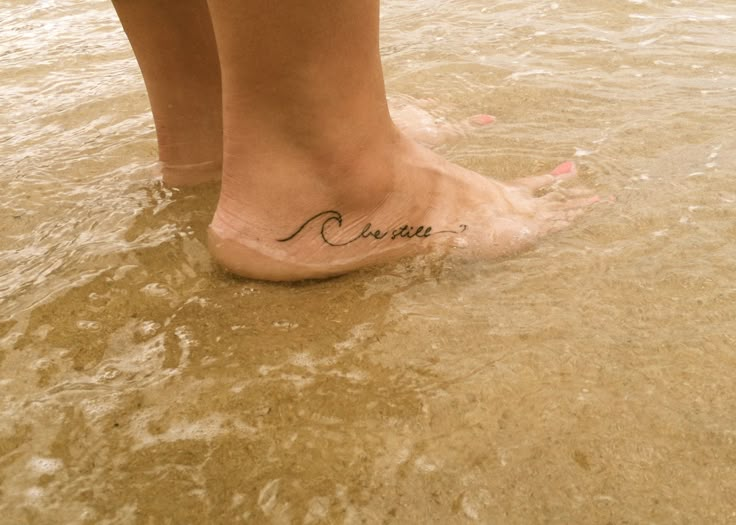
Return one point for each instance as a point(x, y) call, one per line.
point(590, 380)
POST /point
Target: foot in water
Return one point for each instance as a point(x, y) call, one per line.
point(423, 121)
point(397, 199)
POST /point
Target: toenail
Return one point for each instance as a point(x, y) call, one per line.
point(482, 119)
point(563, 169)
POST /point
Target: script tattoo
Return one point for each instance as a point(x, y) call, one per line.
point(334, 218)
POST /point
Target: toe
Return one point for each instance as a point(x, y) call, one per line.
point(536, 182)
point(574, 204)
point(564, 171)
point(555, 224)
point(560, 195)
point(482, 119)
point(566, 168)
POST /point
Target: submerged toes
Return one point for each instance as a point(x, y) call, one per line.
point(564, 171)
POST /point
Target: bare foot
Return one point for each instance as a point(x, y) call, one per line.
point(397, 200)
point(424, 122)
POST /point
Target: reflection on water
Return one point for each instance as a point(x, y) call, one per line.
point(589, 380)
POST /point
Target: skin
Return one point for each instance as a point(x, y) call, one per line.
point(307, 130)
point(174, 45)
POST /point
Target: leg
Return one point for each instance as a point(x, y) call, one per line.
point(317, 180)
point(175, 47)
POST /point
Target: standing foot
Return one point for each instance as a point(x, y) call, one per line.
point(399, 200)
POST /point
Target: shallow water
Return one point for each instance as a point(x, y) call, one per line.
point(590, 380)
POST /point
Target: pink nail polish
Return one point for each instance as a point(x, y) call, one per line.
point(564, 168)
point(482, 119)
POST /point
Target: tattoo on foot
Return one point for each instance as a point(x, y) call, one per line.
point(326, 218)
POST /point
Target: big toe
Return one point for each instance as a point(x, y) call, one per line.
point(566, 170)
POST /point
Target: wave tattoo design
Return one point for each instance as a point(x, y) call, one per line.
point(332, 217)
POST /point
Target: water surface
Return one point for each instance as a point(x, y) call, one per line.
point(590, 380)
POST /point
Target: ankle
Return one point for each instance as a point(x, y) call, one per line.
point(188, 140)
point(324, 133)
point(280, 175)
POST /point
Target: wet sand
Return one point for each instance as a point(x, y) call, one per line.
point(590, 380)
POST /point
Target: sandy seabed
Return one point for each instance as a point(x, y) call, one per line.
point(590, 380)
